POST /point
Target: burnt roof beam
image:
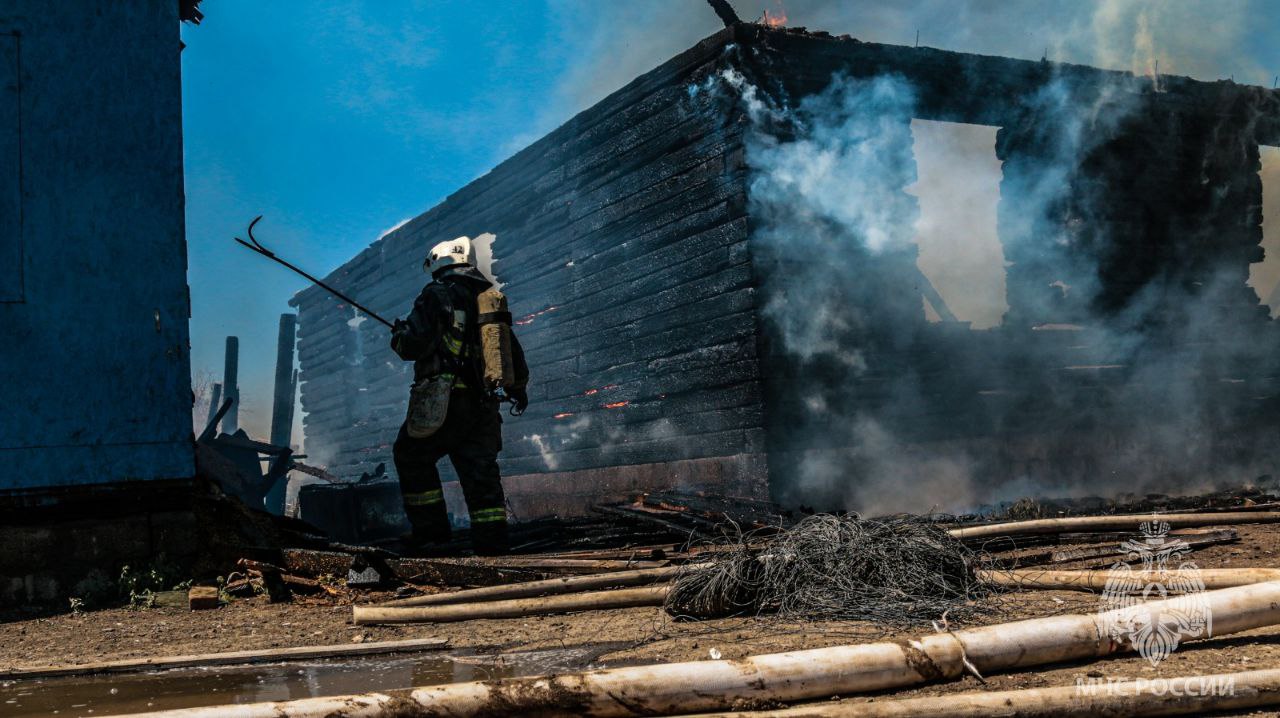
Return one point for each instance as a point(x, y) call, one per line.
point(725, 12)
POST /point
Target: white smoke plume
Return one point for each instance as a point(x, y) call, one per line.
point(1206, 40)
point(825, 198)
point(544, 450)
point(835, 227)
point(957, 189)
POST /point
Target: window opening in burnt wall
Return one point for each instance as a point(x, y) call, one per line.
point(11, 259)
point(1264, 276)
point(961, 259)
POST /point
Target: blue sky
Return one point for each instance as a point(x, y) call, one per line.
point(337, 119)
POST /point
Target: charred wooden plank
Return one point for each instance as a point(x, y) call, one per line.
point(740, 509)
point(1195, 541)
point(461, 572)
point(305, 562)
point(672, 525)
point(725, 12)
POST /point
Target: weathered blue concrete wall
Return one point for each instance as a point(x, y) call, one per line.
point(94, 356)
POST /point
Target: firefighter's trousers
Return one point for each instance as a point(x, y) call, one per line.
point(471, 437)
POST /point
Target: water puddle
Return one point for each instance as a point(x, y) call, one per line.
point(113, 694)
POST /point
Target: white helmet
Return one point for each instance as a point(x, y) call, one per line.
point(447, 254)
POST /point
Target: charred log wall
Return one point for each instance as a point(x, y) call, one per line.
point(1129, 215)
point(621, 243)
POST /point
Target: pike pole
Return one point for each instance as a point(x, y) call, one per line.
point(257, 247)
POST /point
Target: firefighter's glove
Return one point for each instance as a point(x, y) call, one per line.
point(521, 398)
point(399, 333)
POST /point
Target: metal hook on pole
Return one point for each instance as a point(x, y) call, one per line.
point(258, 248)
point(255, 241)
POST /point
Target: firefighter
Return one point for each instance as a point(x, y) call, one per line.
point(441, 337)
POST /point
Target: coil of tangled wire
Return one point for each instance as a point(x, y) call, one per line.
point(898, 571)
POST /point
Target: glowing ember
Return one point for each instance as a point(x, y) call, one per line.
point(528, 318)
point(616, 405)
point(563, 415)
point(590, 392)
point(608, 387)
point(777, 20)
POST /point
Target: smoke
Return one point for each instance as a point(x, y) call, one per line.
point(834, 229)
point(563, 437)
point(869, 390)
point(202, 382)
point(1206, 40)
point(826, 202)
point(394, 227)
point(960, 250)
point(878, 474)
point(585, 432)
point(1185, 37)
point(847, 193)
point(545, 451)
point(851, 155)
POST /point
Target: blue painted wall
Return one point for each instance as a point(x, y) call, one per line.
point(94, 354)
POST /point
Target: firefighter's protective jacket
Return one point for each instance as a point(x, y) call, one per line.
point(440, 334)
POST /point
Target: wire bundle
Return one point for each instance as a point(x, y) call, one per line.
point(898, 571)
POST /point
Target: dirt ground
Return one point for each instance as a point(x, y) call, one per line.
point(647, 634)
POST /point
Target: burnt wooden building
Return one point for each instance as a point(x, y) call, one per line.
point(629, 244)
